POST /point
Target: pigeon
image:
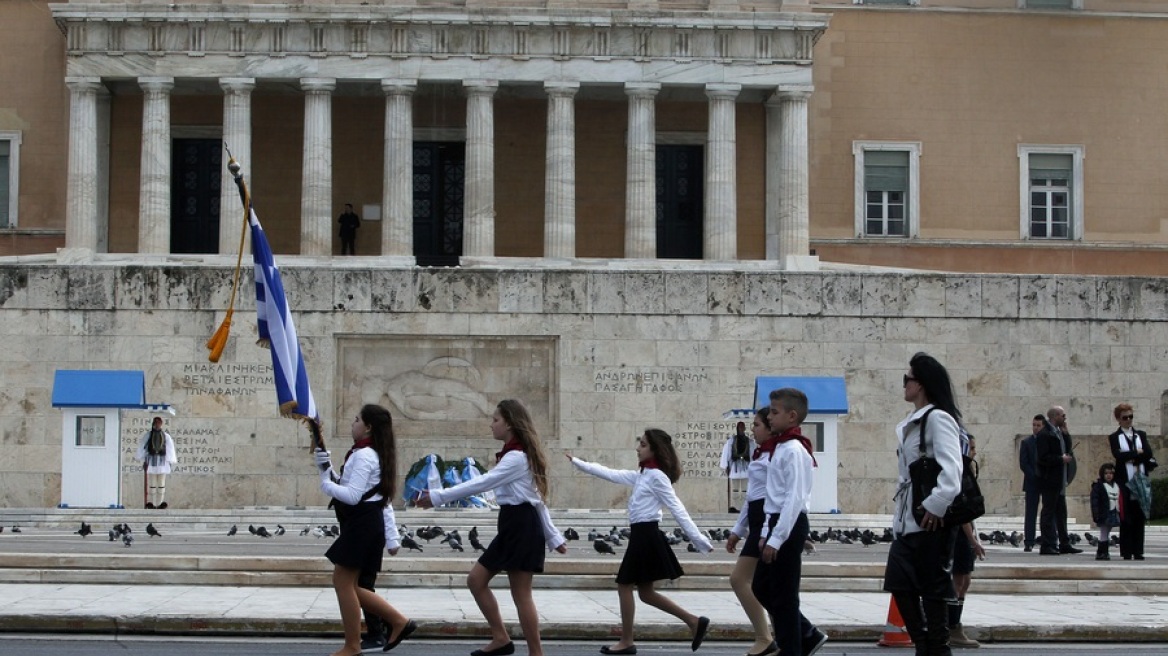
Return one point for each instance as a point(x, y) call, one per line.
point(571, 534)
point(127, 539)
point(320, 532)
point(85, 530)
point(603, 547)
point(251, 529)
point(1091, 540)
point(428, 533)
point(453, 535)
point(334, 530)
point(16, 529)
point(455, 544)
point(410, 543)
point(691, 548)
point(152, 532)
point(474, 533)
point(113, 534)
point(305, 530)
point(263, 532)
point(279, 529)
point(232, 531)
point(475, 544)
point(867, 539)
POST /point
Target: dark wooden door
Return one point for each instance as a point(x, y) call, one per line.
point(439, 177)
point(679, 201)
point(196, 167)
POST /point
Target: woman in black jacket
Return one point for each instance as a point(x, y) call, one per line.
point(1133, 460)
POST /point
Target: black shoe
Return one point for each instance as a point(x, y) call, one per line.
point(412, 626)
point(1029, 548)
point(700, 633)
point(505, 650)
point(163, 506)
point(373, 641)
point(149, 506)
point(1138, 556)
point(733, 510)
point(1068, 549)
point(1047, 551)
point(814, 642)
point(624, 651)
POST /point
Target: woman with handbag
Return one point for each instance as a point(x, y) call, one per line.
point(1133, 462)
point(920, 558)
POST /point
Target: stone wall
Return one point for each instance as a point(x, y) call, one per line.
point(598, 354)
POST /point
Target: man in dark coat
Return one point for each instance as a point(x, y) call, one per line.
point(1055, 469)
point(349, 223)
point(1031, 484)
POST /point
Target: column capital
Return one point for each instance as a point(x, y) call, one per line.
point(156, 84)
point(398, 87)
point(237, 84)
point(642, 89)
point(83, 83)
point(792, 92)
point(561, 88)
point(318, 85)
point(724, 91)
point(480, 87)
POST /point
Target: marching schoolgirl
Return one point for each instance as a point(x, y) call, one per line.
point(361, 494)
point(749, 529)
point(649, 557)
point(519, 480)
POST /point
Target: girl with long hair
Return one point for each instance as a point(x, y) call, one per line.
point(649, 557)
point(361, 497)
point(525, 529)
point(918, 573)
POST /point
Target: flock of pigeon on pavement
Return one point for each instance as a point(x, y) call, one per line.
point(603, 542)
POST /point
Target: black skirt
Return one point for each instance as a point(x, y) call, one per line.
point(649, 557)
point(362, 538)
point(754, 517)
point(519, 545)
point(922, 564)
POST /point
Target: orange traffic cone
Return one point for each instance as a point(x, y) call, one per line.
point(895, 633)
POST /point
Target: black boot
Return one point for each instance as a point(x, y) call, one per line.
point(914, 621)
point(937, 626)
point(375, 638)
point(1102, 552)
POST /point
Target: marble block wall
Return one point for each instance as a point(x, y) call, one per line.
point(598, 353)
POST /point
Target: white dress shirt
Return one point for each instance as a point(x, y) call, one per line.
point(756, 487)
point(362, 472)
point(513, 484)
point(943, 442)
point(788, 490)
point(651, 491)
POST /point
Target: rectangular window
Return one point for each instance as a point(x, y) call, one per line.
point(1051, 182)
point(887, 194)
point(1050, 4)
point(7, 184)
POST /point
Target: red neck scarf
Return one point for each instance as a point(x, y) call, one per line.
point(767, 446)
point(790, 434)
point(511, 445)
point(649, 463)
point(359, 444)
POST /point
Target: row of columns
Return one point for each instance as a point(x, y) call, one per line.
point(786, 179)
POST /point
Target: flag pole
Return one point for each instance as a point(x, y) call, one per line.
point(218, 341)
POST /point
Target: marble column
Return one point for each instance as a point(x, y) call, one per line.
point(720, 221)
point(559, 205)
point(788, 227)
point(81, 211)
point(397, 186)
point(317, 169)
point(641, 172)
point(154, 186)
point(236, 137)
point(478, 237)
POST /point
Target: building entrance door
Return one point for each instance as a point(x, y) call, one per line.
point(439, 177)
point(196, 167)
point(679, 201)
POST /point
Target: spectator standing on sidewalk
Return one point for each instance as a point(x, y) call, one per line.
point(1134, 461)
point(1105, 508)
point(1031, 481)
point(1056, 466)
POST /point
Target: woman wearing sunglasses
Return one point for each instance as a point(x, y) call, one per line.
point(1133, 463)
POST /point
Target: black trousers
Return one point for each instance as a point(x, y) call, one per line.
point(1031, 517)
point(776, 586)
point(1131, 525)
point(1053, 519)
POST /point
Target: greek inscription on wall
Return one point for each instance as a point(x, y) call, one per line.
point(700, 447)
point(648, 380)
point(198, 448)
point(213, 379)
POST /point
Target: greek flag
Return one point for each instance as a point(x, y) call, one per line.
point(276, 330)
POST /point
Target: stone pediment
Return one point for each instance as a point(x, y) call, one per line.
point(315, 32)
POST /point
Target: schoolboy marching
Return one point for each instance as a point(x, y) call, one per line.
point(649, 557)
point(788, 500)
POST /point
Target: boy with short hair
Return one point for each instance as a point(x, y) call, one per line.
point(788, 499)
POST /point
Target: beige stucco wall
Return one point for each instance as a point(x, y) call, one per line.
point(1013, 344)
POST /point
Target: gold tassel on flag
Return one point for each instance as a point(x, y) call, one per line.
point(218, 341)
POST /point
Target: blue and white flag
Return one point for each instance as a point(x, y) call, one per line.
point(276, 330)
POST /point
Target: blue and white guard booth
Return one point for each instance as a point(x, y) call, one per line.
point(92, 402)
point(827, 401)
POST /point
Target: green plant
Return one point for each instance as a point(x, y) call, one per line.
point(1159, 498)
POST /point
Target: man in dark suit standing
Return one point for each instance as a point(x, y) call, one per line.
point(1056, 459)
point(1031, 483)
